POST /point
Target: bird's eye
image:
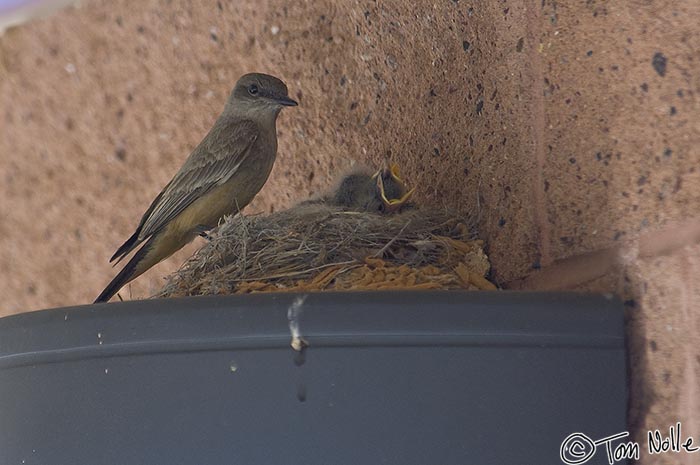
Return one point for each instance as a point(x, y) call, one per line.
point(253, 89)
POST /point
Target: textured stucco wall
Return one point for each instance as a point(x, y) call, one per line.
point(565, 127)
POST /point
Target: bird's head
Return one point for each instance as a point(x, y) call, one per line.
point(259, 93)
point(381, 192)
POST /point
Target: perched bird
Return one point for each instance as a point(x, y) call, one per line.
point(220, 177)
point(381, 192)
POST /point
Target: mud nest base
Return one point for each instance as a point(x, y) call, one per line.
point(315, 246)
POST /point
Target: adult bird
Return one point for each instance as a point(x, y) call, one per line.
point(220, 177)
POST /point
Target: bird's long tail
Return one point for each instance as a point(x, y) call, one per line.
point(130, 271)
point(126, 248)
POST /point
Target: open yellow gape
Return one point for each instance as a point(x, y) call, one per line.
point(391, 203)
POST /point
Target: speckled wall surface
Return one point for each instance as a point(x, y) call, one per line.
point(565, 127)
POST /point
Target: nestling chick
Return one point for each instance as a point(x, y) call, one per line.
point(381, 192)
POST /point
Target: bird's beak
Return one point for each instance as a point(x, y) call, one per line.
point(285, 101)
point(392, 205)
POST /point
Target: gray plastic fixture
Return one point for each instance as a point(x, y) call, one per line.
point(424, 378)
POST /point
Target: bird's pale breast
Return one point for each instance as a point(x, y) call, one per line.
point(233, 195)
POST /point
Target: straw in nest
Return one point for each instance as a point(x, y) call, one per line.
point(322, 246)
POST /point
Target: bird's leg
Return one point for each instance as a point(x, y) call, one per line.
point(202, 231)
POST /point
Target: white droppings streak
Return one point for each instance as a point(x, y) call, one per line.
point(294, 318)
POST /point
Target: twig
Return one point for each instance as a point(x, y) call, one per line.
point(388, 244)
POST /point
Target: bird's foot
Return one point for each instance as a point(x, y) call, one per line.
point(203, 231)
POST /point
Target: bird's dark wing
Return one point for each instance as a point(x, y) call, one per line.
point(211, 164)
point(132, 242)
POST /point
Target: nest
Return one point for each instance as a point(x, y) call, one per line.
point(317, 246)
